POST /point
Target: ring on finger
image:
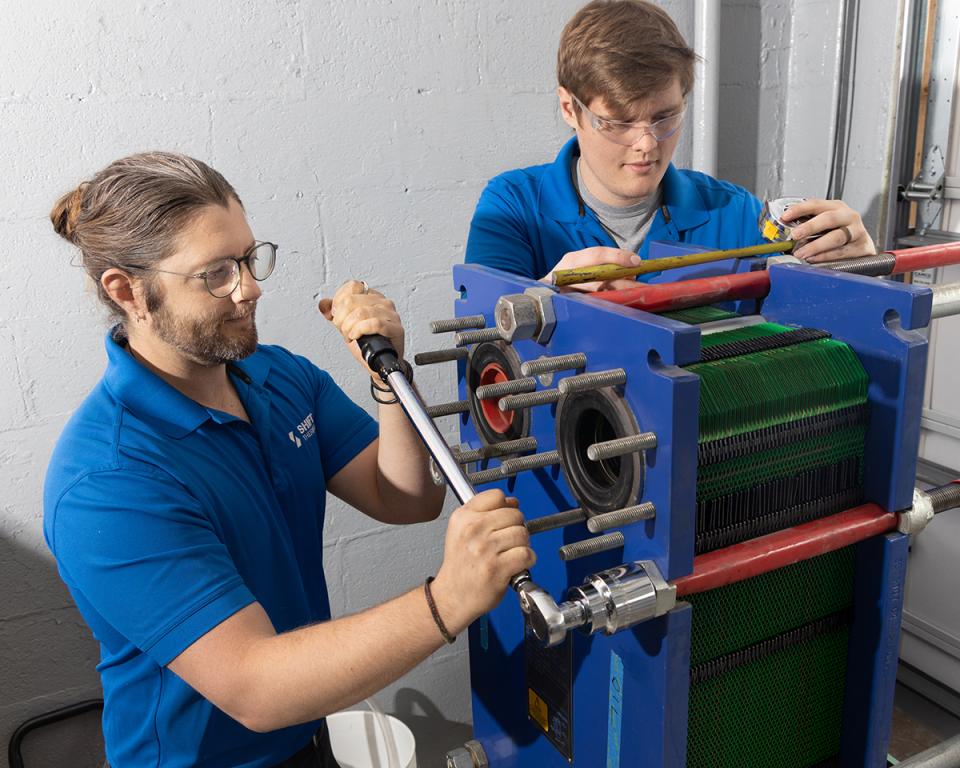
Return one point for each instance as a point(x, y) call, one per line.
point(848, 233)
point(364, 288)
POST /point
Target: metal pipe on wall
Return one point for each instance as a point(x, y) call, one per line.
point(706, 90)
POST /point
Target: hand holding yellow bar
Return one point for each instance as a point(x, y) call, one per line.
point(562, 277)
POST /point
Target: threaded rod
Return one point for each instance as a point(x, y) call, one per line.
point(536, 461)
point(621, 517)
point(466, 338)
point(587, 381)
point(553, 364)
point(440, 356)
point(520, 445)
point(485, 476)
point(458, 323)
point(501, 388)
point(621, 446)
point(447, 409)
point(528, 400)
point(556, 520)
point(591, 546)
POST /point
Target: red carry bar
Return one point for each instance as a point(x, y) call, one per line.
point(786, 547)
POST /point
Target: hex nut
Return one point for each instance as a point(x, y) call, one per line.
point(517, 316)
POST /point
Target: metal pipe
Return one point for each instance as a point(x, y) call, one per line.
point(706, 91)
point(944, 755)
point(946, 300)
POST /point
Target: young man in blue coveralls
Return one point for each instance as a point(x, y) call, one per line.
point(185, 499)
point(624, 73)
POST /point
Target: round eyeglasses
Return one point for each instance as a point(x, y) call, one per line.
point(223, 276)
point(628, 134)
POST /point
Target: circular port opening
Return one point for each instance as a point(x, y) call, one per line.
point(494, 363)
point(585, 418)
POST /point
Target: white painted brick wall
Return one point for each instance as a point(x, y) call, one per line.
point(359, 135)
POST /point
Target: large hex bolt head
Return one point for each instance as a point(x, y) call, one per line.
point(517, 316)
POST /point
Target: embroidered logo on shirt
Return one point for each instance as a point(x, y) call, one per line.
point(305, 429)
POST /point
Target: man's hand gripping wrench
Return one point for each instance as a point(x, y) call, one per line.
point(549, 622)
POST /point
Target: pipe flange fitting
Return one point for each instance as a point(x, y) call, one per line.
point(470, 755)
point(915, 519)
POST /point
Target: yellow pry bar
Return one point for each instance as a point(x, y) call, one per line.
point(562, 277)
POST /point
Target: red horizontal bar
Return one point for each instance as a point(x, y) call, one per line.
point(925, 257)
point(662, 297)
point(786, 547)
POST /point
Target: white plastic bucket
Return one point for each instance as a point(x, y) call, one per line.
point(357, 742)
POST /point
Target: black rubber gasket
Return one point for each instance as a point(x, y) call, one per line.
point(584, 418)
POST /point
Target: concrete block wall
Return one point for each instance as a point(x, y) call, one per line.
point(359, 135)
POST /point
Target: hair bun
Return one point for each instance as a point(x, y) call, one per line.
point(66, 213)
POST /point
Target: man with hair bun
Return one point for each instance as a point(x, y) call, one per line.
point(624, 72)
point(185, 499)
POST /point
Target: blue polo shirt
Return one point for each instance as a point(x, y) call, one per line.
point(527, 219)
point(167, 517)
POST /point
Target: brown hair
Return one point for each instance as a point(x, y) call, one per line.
point(131, 212)
point(624, 51)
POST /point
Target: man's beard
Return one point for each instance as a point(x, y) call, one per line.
point(206, 340)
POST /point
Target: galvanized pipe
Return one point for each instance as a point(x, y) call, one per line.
point(944, 755)
point(946, 300)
